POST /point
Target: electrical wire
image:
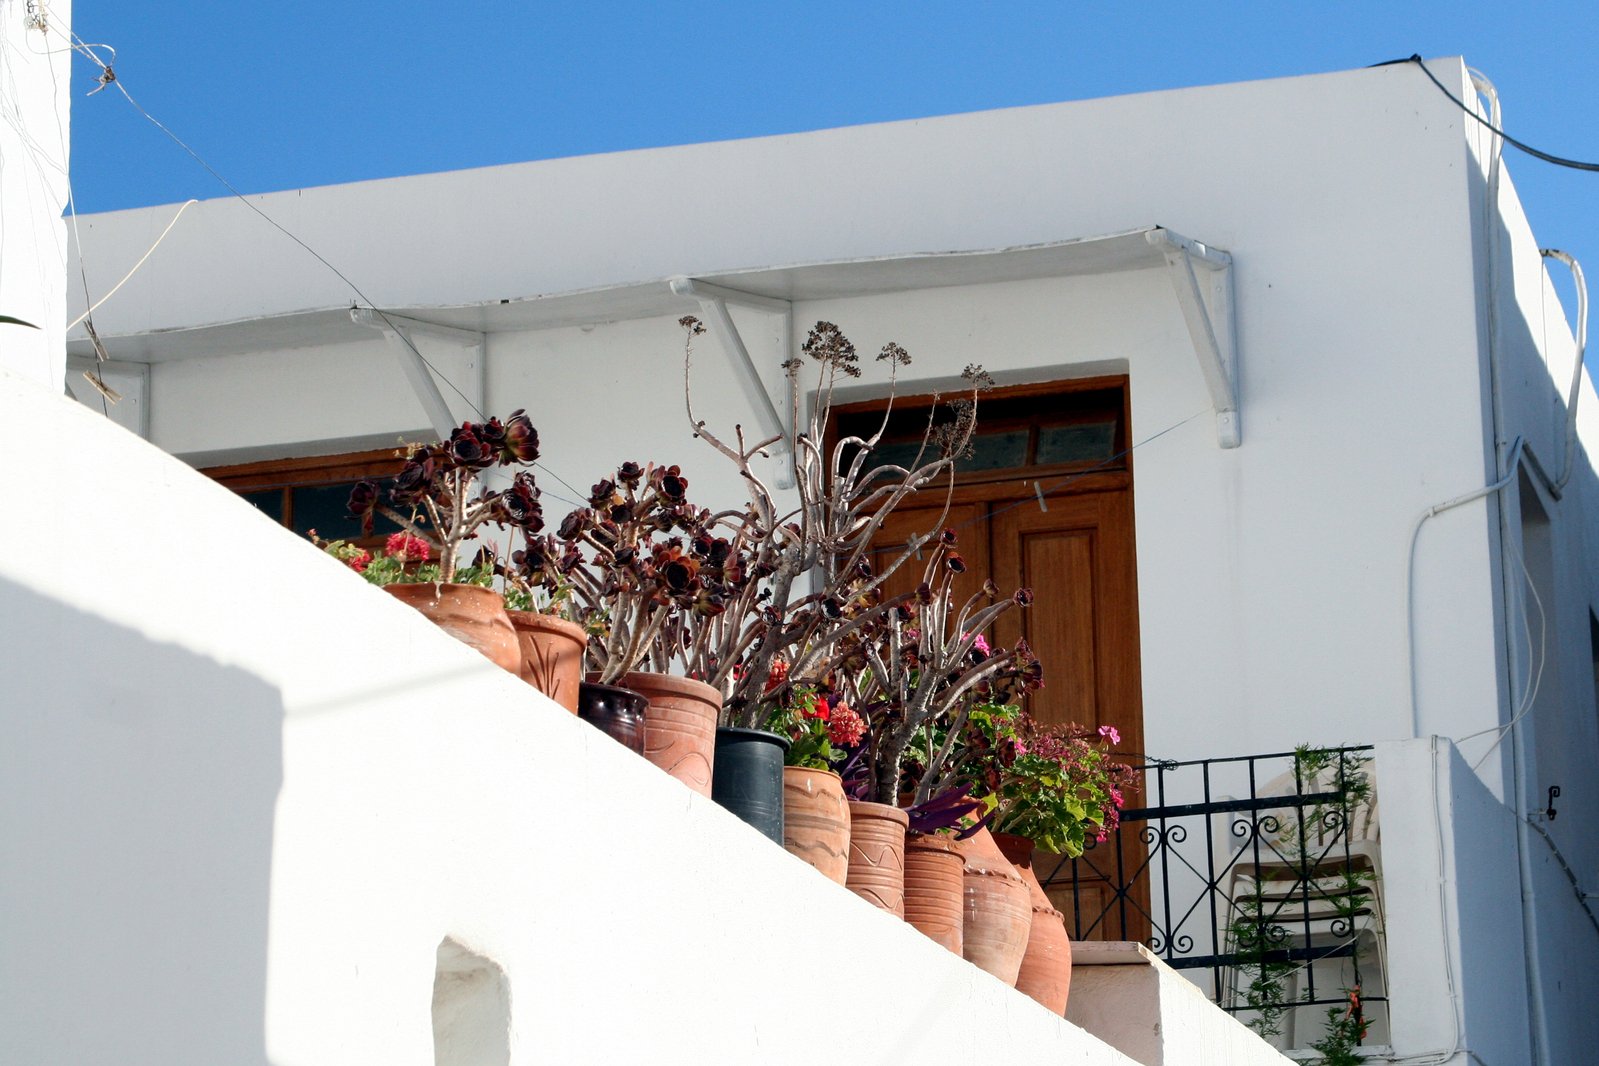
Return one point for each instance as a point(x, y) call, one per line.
point(108, 77)
point(1559, 161)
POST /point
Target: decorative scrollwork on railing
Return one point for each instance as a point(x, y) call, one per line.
point(1241, 871)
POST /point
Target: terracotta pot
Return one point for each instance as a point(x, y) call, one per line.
point(998, 913)
point(816, 819)
point(471, 614)
point(551, 654)
point(680, 726)
point(616, 712)
point(877, 855)
point(934, 889)
point(1046, 970)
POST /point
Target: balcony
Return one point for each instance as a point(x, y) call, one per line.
point(1259, 877)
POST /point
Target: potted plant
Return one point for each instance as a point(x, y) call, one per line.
point(820, 728)
point(551, 641)
point(434, 498)
point(822, 536)
point(636, 558)
point(1052, 787)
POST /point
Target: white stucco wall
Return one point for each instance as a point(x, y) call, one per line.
point(245, 798)
point(33, 191)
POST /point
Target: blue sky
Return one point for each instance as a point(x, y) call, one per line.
point(278, 96)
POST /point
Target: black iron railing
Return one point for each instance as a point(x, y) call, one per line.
point(1259, 875)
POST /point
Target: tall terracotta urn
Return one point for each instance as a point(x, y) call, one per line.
point(998, 913)
point(472, 614)
point(934, 889)
point(680, 726)
point(1046, 970)
point(877, 855)
point(551, 651)
point(816, 819)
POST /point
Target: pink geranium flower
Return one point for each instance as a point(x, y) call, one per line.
point(1110, 734)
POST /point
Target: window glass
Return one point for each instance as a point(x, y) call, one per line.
point(325, 508)
point(268, 501)
point(1083, 442)
point(996, 451)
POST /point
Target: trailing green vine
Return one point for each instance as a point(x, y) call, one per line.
point(1346, 1028)
point(1257, 929)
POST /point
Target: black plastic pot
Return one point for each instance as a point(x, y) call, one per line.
point(747, 777)
point(616, 712)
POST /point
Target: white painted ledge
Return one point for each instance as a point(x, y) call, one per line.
point(1137, 1004)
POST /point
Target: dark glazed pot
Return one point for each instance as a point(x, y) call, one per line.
point(616, 712)
point(747, 777)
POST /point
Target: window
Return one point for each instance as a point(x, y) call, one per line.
point(311, 492)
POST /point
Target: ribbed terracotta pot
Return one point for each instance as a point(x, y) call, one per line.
point(1046, 970)
point(551, 654)
point(680, 726)
point(998, 913)
point(877, 855)
point(616, 712)
point(471, 614)
point(816, 819)
point(934, 888)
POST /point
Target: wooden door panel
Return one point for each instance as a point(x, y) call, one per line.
point(1077, 557)
point(1060, 624)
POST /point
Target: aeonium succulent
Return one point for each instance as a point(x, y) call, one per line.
point(916, 670)
point(638, 557)
point(431, 497)
point(823, 539)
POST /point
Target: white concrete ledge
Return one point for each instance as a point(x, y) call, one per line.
point(1137, 1004)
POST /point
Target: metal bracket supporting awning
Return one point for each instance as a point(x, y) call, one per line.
point(1202, 278)
point(401, 333)
point(713, 300)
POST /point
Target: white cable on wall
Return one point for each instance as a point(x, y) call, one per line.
point(136, 266)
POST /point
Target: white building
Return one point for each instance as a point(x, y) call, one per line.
point(1253, 338)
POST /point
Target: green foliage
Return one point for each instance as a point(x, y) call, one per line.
point(1346, 1028)
point(1252, 935)
point(1054, 785)
point(522, 597)
point(804, 719)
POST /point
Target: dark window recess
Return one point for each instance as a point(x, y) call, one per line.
point(1073, 430)
point(313, 492)
point(995, 451)
point(268, 501)
point(325, 508)
point(1084, 443)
